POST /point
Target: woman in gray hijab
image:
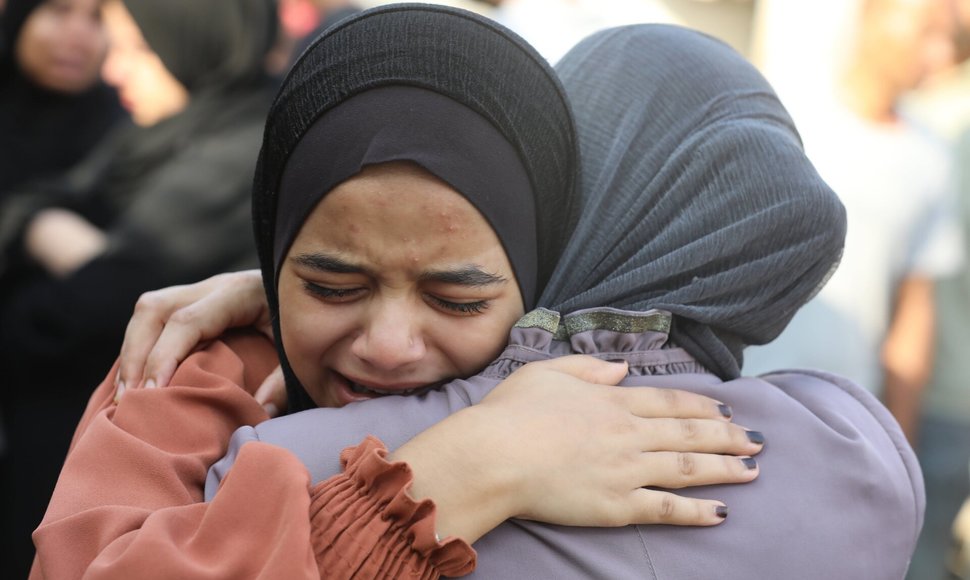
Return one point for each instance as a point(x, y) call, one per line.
point(704, 229)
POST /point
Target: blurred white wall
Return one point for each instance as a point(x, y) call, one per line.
point(555, 26)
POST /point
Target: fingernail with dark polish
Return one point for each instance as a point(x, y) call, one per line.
point(749, 462)
point(725, 411)
point(756, 437)
point(721, 511)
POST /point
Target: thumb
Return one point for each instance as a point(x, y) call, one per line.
point(590, 369)
point(272, 393)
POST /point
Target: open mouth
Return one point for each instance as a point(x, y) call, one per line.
point(369, 391)
point(362, 390)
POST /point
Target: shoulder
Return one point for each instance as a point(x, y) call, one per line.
point(844, 411)
point(827, 394)
point(244, 357)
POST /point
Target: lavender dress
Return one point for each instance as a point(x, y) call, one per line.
point(840, 493)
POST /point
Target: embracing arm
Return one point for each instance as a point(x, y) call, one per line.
point(128, 502)
point(908, 351)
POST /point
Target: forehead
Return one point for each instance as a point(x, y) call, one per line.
point(397, 207)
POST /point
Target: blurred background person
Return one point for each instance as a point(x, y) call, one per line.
point(301, 21)
point(162, 202)
point(895, 179)
point(53, 106)
point(942, 423)
point(882, 129)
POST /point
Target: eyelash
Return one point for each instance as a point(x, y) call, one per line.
point(465, 308)
point(331, 293)
point(461, 307)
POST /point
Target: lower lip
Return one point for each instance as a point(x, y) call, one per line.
point(344, 394)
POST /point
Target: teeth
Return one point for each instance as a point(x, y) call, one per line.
point(362, 390)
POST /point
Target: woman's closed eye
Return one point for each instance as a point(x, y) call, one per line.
point(459, 308)
point(333, 294)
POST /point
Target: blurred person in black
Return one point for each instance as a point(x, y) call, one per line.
point(53, 106)
point(163, 201)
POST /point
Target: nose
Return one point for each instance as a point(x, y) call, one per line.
point(391, 337)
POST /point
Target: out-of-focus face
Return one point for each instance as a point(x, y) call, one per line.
point(394, 283)
point(62, 44)
point(145, 87)
point(913, 40)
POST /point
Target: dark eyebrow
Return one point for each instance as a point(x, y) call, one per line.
point(326, 263)
point(464, 276)
point(461, 276)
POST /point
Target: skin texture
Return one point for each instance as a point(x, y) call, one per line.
point(145, 87)
point(62, 45)
point(391, 323)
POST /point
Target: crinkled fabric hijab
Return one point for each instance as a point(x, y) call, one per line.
point(697, 196)
point(451, 91)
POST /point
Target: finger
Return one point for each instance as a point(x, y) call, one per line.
point(699, 436)
point(272, 393)
point(185, 329)
point(589, 369)
point(661, 507)
point(675, 470)
point(651, 402)
point(206, 317)
point(147, 320)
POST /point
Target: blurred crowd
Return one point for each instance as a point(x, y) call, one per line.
point(129, 131)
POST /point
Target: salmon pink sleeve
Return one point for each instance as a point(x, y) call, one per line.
point(128, 503)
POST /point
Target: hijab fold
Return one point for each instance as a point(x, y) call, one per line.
point(697, 197)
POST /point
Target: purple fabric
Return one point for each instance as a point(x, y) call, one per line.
point(840, 493)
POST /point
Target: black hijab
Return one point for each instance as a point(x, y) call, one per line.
point(209, 45)
point(43, 132)
point(410, 67)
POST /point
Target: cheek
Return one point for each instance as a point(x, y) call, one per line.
point(305, 334)
point(481, 342)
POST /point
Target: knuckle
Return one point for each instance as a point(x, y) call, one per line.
point(666, 508)
point(186, 316)
point(686, 464)
point(150, 302)
point(688, 429)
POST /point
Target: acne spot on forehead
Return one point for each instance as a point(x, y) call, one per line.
point(449, 222)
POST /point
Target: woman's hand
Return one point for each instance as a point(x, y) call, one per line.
point(169, 324)
point(549, 446)
point(61, 241)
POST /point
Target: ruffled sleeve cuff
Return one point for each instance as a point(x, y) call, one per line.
point(366, 525)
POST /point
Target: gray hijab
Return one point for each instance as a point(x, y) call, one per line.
point(697, 196)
